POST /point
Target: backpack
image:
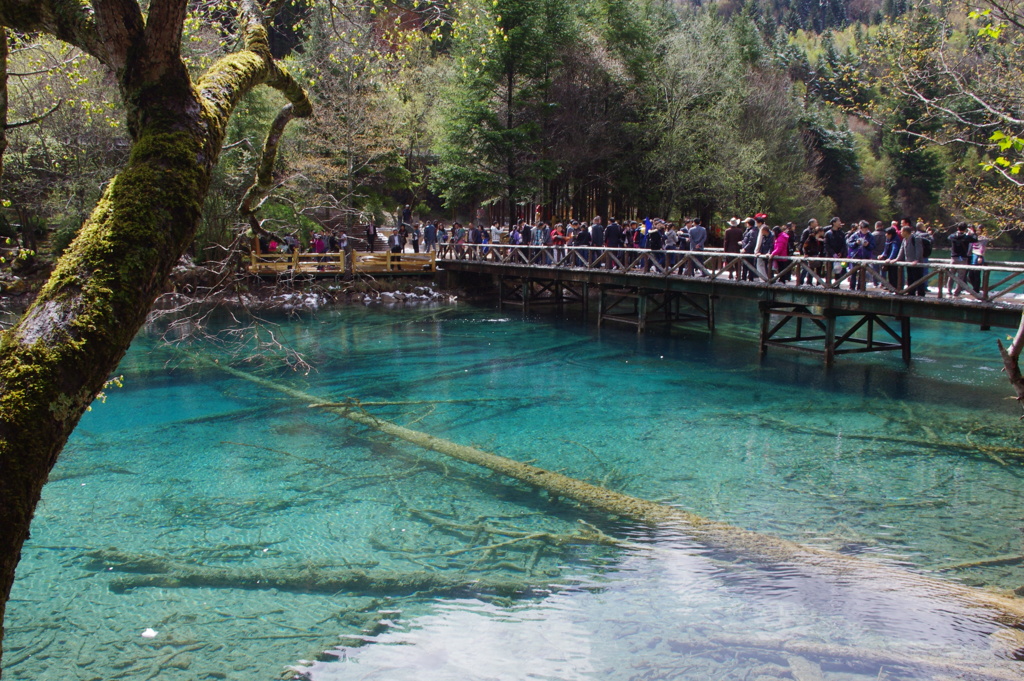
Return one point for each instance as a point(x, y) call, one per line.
point(926, 247)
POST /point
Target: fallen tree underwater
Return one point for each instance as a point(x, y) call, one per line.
point(153, 571)
point(717, 535)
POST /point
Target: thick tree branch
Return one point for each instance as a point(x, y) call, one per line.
point(163, 31)
point(119, 24)
point(264, 180)
point(68, 20)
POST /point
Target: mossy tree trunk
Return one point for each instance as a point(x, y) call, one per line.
point(55, 361)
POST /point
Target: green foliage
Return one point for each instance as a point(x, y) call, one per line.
point(492, 140)
point(625, 107)
point(55, 169)
point(63, 235)
point(834, 149)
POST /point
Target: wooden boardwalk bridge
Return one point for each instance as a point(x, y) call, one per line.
point(350, 262)
point(823, 315)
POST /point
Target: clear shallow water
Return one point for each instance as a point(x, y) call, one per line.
point(187, 469)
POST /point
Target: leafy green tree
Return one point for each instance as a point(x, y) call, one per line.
point(491, 143)
point(727, 136)
point(57, 164)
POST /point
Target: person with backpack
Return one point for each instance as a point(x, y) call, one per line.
point(914, 251)
point(960, 241)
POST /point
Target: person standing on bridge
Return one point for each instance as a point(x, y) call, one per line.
point(813, 246)
point(809, 231)
point(613, 239)
point(526, 229)
point(862, 247)
point(960, 241)
point(749, 246)
point(698, 238)
point(835, 244)
point(977, 256)
point(659, 254)
point(733, 238)
point(912, 251)
point(597, 232)
point(890, 249)
point(430, 237)
point(780, 251)
point(582, 240)
point(879, 236)
point(558, 242)
point(763, 248)
point(371, 237)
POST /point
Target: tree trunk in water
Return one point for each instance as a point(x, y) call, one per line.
point(1011, 363)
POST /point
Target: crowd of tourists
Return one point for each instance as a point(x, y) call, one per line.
point(899, 252)
point(901, 249)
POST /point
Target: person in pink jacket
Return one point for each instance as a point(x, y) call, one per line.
point(780, 251)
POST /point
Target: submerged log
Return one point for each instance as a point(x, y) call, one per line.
point(714, 534)
point(158, 571)
point(359, 582)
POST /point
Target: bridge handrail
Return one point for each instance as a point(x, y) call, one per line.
point(986, 283)
point(350, 261)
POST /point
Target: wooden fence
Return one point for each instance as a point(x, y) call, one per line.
point(351, 262)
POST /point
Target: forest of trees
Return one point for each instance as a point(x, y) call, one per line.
point(628, 108)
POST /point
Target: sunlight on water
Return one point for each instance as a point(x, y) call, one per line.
point(199, 526)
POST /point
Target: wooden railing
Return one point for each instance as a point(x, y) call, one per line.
point(350, 262)
point(996, 282)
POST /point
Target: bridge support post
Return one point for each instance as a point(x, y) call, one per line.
point(905, 338)
point(644, 307)
point(777, 318)
point(766, 317)
point(830, 339)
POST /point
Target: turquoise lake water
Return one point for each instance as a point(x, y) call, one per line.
point(191, 473)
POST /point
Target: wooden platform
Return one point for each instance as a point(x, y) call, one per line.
point(335, 264)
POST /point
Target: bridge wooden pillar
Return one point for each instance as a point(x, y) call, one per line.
point(640, 307)
point(824, 331)
point(830, 339)
point(905, 338)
